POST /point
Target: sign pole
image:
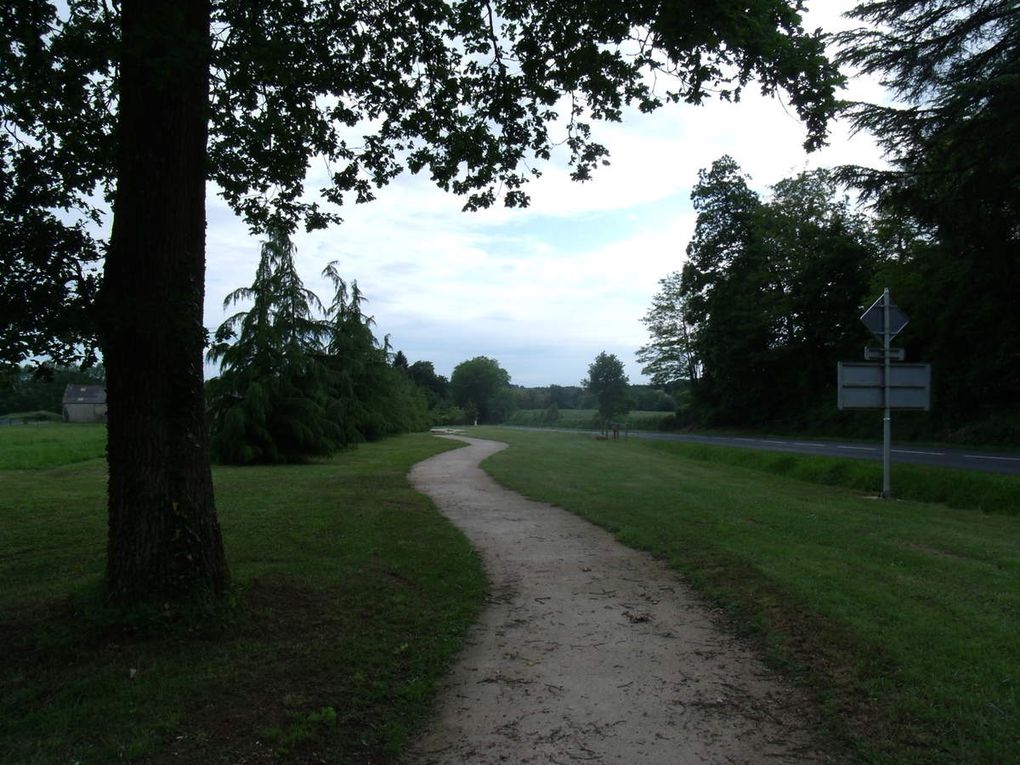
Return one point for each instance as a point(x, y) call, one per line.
point(884, 385)
point(887, 418)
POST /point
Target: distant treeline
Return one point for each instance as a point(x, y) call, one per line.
point(645, 398)
point(41, 389)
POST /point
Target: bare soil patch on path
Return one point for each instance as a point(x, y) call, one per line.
point(589, 651)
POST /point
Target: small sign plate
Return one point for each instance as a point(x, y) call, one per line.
point(878, 354)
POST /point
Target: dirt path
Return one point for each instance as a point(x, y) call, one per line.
point(590, 652)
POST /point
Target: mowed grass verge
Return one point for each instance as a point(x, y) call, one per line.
point(901, 616)
point(351, 595)
point(963, 489)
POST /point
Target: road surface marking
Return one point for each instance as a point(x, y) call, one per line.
point(801, 443)
point(781, 443)
point(859, 448)
point(930, 454)
point(989, 457)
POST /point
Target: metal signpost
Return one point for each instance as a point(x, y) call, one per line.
point(884, 385)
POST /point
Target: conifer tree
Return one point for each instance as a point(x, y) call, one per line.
point(371, 397)
point(271, 402)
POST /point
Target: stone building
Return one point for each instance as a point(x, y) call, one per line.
point(84, 403)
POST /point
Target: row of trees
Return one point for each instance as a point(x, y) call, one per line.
point(767, 301)
point(770, 294)
point(299, 379)
point(481, 390)
point(646, 398)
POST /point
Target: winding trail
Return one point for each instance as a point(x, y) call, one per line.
point(591, 652)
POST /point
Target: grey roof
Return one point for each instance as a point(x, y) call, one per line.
point(85, 394)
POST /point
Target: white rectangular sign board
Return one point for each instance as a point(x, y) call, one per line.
point(861, 386)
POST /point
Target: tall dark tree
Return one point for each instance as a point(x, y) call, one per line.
point(119, 98)
point(436, 387)
point(271, 402)
point(476, 386)
point(608, 383)
point(822, 259)
point(164, 538)
point(726, 288)
point(952, 136)
point(372, 397)
point(770, 293)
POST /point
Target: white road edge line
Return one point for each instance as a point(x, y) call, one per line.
point(989, 457)
point(859, 448)
point(930, 454)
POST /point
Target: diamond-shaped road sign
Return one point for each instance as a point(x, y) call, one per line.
point(874, 318)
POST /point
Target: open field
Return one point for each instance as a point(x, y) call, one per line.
point(585, 419)
point(901, 617)
point(46, 445)
point(351, 594)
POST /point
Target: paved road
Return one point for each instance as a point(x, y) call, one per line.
point(963, 459)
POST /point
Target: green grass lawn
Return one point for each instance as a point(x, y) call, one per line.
point(585, 419)
point(351, 591)
point(902, 617)
point(40, 445)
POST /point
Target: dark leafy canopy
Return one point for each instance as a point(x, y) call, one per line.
point(768, 299)
point(951, 201)
point(55, 153)
point(477, 386)
point(608, 383)
point(435, 386)
point(462, 91)
point(465, 91)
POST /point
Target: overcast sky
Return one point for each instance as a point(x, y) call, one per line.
point(543, 290)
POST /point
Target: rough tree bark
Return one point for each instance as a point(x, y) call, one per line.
point(164, 540)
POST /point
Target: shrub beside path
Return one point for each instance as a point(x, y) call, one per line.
point(589, 651)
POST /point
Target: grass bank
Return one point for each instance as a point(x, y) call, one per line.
point(902, 617)
point(352, 593)
point(962, 489)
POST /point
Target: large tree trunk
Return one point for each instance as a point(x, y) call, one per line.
point(164, 539)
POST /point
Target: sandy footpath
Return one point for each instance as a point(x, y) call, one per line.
point(590, 652)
